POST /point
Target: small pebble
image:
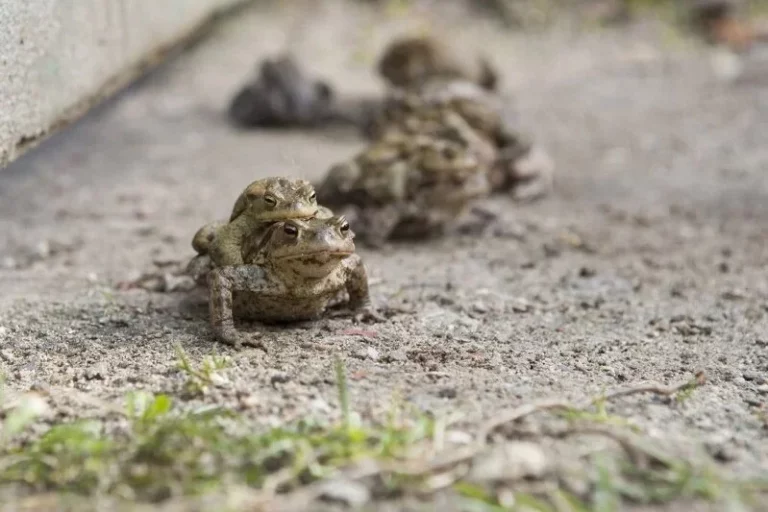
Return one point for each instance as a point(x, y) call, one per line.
point(733, 295)
point(551, 251)
point(458, 437)
point(753, 377)
point(279, 378)
point(367, 353)
point(319, 405)
point(354, 494)
point(248, 401)
point(96, 372)
point(372, 354)
point(398, 355)
point(43, 249)
point(726, 64)
point(219, 380)
point(510, 231)
point(447, 393)
point(510, 461)
point(521, 306)
point(178, 283)
point(722, 452)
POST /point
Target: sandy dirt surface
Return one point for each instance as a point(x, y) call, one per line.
point(648, 263)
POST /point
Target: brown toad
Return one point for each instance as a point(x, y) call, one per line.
point(413, 60)
point(262, 202)
point(412, 119)
point(515, 164)
point(293, 272)
point(405, 187)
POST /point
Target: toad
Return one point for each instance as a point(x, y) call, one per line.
point(405, 187)
point(293, 272)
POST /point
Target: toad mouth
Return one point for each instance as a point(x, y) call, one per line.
point(318, 254)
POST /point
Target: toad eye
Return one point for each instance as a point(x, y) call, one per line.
point(312, 196)
point(291, 230)
point(270, 200)
point(344, 228)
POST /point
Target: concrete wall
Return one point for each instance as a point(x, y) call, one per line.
point(59, 57)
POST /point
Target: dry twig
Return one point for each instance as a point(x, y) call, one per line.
point(528, 409)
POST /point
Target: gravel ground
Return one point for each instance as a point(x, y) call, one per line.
point(648, 263)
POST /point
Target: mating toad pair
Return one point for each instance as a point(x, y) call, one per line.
point(280, 257)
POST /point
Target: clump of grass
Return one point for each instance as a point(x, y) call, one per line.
point(199, 380)
point(19, 417)
point(163, 450)
point(341, 386)
point(167, 451)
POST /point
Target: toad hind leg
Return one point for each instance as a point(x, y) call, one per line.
point(534, 175)
point(526, 169)
point(357, 288)
point(222, 282)
point(205, 235)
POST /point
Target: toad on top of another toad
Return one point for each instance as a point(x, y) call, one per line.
point(515, 164)
point(405, 187)
point(293, 272)
point(413, 119)
point(262, 202)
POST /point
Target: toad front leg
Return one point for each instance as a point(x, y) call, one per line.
point(222, 283)
point(226, 249)
point(526, 168)
point(533, 175)
point(357, 288)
